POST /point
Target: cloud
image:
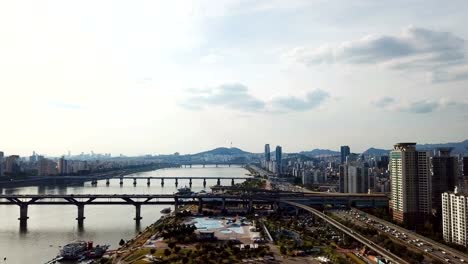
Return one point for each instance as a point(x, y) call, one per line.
point(451, 74)
point(312, 100)
point(419, 106)
point(384, 102)
point(235, 96)
point(413, 48)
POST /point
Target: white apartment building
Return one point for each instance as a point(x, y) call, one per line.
point(455, 217)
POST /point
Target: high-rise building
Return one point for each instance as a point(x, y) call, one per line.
point(358, 179)
point(279, 164)
point(444, 175)
point(343, 178)
point(345, 151)
point(12, 164)
point(62, 166)
point(267, 153)
point(410, 184)
point(383, 162)
point(464, 169)
point(1, 163)
point(46, 167)
point(455, 217)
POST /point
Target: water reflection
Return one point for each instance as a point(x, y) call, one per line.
point(52, 226)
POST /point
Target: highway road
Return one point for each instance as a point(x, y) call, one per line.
point(439, 250)
point(378, 249)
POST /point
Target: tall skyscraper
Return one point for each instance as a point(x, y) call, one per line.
point(455, 217)
point(410, 184)
point(444, 175)
point(358, 179)
point(62, 166)
point(279, 164)
point(343, 178)
point(464, 169)
point(267, 153)
point(345, 151)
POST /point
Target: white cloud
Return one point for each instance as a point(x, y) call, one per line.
point(311, 100)
point(419, 106)
point(414, 48)
point(235, 96)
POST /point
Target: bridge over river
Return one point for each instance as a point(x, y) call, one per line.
point(248, 199)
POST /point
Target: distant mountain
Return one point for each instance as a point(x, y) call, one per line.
point(376, 152)
point(320, 152)
point(224, 151)
point(458, 147)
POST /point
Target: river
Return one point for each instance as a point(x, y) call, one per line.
point(52, 226)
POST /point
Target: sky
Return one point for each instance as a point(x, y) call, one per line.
point(149, 77)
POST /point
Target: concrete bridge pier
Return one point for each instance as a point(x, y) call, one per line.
point(218, 182)
point(23, 214)
point(232, 182)
point(176, 204)
point(107, 182)
point(80, 217)
point(200, 205)
point(162, 182)
point(190, 165)
point(137, 212)
point(148, 182)
point(176, 182)
point(204, 183)
point(134, 181)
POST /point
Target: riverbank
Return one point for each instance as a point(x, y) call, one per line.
point(26, 181)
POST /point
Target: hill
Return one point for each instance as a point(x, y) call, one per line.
point(224, 151)
point(376, 152)
point(458, 147)
point(320, 152)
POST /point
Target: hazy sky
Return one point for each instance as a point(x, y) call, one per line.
point(138, 77)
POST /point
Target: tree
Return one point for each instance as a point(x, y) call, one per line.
point(171, 245)
point(152, 251)
point(122, 242)
point(283, 250)
point(185, 260)
point(167, 252)
point(176, 249)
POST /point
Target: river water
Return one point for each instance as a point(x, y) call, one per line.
point(52, 226)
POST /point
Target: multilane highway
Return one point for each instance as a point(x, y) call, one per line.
point(378, 249)
point(451, 254)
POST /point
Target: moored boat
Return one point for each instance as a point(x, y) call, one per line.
point(166, 210)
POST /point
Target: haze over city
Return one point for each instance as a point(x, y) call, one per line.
point(152, 77)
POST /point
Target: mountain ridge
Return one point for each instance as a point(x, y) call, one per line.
point(458, 148)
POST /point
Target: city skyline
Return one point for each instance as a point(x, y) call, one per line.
point(262, 151)
point(145, 78)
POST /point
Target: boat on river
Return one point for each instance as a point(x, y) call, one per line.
point(166, 210)
point(184, 191)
